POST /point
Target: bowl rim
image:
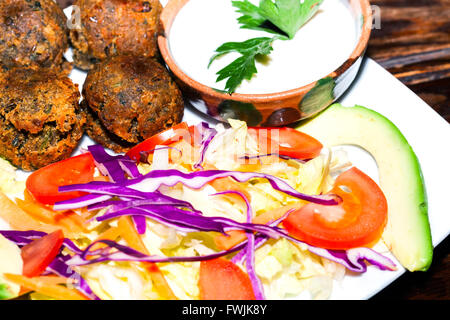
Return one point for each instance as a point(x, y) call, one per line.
point(173, 7)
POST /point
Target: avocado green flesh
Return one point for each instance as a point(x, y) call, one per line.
point(4, 292)
point(407, 232)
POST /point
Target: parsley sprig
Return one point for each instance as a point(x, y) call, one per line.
point(280, 17)
point(243, 67)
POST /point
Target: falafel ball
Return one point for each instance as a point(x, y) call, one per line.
point(97, 131)
point(40, 118)
point(34, 34)
point(115, 27)
point(130, 99)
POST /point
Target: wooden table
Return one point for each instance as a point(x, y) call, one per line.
point(413, 43)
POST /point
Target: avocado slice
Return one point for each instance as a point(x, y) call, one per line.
point(10, 262)
point(407, 233)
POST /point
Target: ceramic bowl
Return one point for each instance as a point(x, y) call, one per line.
point(274, 109)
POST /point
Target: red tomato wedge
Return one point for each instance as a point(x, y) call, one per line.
point(37, 255)
point(287, 142)
point(221, 279)
point(43, 184)
point(195, 134)
point(169, 136)
point(357, 221)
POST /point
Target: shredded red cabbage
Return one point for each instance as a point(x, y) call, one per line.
point(260, 239)
point(116, 168)
point(59, 267)
point(150, 198)
point(81, 202)
point(250, 249)
point(195, 180)
point(108, 165)
point(124, 253)
point(101, 193)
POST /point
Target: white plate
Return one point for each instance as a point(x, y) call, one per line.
point(425, 130)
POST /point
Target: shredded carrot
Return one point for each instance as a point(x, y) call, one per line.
point(46, 214)
point(101, 178)
point(227, 184)
point(70, 222)
point(48, 280)
point(250, 167)
point(19, 219)
point(134, 240)
point(110, 234)
point(28, 196)
point(55, 280)
point(159, 281)
point(46, 286)
point(130, 235)
point(38, 213)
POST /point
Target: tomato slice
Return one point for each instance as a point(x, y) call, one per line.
point(357, 221)
point(37, 255)
point(221, 279)
point(195, 134)
point(169, 136)
point(43, 183)
point(287, 142)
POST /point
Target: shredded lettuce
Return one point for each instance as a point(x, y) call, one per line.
point(119, 281)
point(287, 270)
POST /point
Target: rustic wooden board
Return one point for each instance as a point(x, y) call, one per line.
point(413, 43)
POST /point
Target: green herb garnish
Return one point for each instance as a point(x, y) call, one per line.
point(243, 67)
point(281, 17)
point(253, 19)
point(289, 15)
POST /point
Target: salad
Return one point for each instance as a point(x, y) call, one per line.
point(195, 212)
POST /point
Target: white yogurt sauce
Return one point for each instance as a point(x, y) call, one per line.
point(318, 48)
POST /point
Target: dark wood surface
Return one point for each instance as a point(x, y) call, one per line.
point(413, 44)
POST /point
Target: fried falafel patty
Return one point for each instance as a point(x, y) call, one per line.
point(34, 34)
point(40, 118)
point(97, 131)
point(115, 27)
point(131, 99)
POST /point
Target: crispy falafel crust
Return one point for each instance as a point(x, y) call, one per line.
point(115, 27)
point(96, 131)
point(134, 98)
point(40, 118)
point(34, 34)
